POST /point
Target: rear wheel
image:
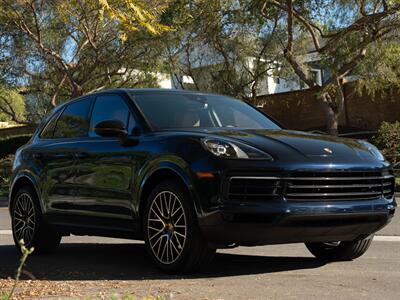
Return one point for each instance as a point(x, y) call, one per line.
point(28, 224)
point(172, 235)
point(336, 251)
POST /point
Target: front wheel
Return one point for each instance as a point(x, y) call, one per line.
point(172, 235)
point(28, 224)
point(339, 251)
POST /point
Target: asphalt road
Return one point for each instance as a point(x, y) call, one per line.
point(100, 267)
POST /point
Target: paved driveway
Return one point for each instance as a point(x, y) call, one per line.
point(100, 267)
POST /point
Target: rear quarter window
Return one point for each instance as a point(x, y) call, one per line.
point(74, 121)
point(48, 130)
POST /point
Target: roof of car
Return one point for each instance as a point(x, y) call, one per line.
point(155, 90)
point(136, 91)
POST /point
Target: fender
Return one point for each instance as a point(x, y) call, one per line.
point(171, 163)
point(25, 174)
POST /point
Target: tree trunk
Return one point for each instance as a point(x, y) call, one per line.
point(332, 120)
point(333, 99)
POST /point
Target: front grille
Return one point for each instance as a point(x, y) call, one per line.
point(312, 186)
point(254, 188)
point(316, 186)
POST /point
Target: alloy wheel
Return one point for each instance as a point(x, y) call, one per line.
point(166, 227)
point(24, 218)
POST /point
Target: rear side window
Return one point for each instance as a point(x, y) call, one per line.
point(109, 107)
point(74, 120)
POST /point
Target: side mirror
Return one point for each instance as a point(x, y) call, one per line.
point(111, 128)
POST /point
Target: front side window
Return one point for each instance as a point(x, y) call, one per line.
point(73, 122)
point(168, 111)
point(109, 107)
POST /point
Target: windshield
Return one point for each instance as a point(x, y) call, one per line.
point(174, 110)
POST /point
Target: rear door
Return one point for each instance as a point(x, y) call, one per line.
point(105, 167)
point(57, 156)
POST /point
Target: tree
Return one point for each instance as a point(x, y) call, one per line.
point(12, 106)
point(221, 46)
point(380, 70)
point(61, 49)
point(342, 33)
point(131, 15)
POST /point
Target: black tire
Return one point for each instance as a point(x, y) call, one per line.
point(340, 251)
point(194, 254)
point(43, 237)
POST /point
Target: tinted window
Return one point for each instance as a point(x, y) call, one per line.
point(74, 120)
point(48, 130)
point(109, 107)
point(131, 123)
point(193, 110)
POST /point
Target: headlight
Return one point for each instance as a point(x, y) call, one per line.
point(373, 150)
point(228, 149)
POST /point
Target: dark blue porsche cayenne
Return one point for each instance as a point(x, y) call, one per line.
point(189, 173)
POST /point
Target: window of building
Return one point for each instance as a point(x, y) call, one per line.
point(277, 80)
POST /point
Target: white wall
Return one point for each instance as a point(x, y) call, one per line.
point(164, 81)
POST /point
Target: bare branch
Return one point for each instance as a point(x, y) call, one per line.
point(58, 88)
point(293, 13)
point(289, 5)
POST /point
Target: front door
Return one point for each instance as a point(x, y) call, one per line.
point(104, 169)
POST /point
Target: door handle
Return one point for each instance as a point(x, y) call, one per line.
point(81, 155)
point(37, 155)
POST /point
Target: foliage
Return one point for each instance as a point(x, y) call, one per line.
point(380, 70)
point(10, 144)
point(12, 105)
point(62, 49)
point(25, 253)
point(133, 14)
point(5, 171)
point(223, 47)
point(342, 34)
point(388, 140)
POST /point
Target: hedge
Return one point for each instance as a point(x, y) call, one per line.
point(10, 144)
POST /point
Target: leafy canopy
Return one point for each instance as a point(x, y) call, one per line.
point(61, 49)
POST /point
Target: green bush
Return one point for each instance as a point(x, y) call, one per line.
point(10, 144)
point(5, 172)
point(388, 141)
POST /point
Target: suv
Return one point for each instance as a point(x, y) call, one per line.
point(189, 173)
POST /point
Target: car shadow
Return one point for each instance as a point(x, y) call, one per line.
point(131, 262)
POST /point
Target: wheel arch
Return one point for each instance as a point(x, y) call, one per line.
point(161, 173)
point(23, 179)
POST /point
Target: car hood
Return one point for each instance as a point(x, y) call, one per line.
point(283, 142)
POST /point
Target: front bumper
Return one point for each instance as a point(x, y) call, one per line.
point(250, 224)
